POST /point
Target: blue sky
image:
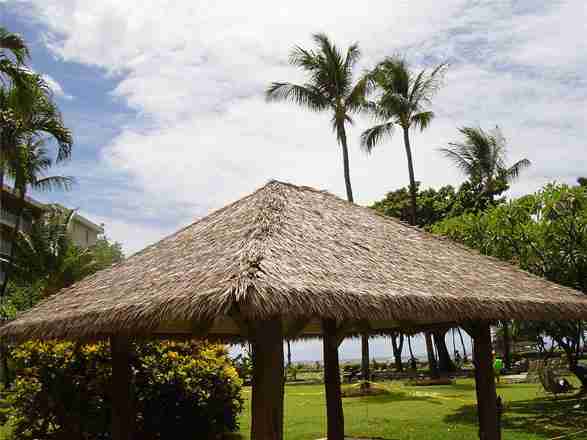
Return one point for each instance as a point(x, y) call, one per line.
point(165, 98)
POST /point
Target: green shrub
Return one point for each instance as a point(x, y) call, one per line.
point(181, 390)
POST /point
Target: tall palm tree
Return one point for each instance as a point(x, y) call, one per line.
point(403, 101)
point(331, 87)
point(482, 157)
point(34, 126)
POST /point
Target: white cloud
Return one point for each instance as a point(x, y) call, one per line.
point(56, 88)
point(195, 73)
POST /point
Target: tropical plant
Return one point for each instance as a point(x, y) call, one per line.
point(331, 87)
point(15, 87)
point(181, 389)
point(435, 205)
point(481, 156)
point(403, 100)
point(13, 54)
point(544, 233)
point(29, 170)
point(28, 161)
point(48, 255)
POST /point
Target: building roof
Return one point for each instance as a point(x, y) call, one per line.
point(300, 253)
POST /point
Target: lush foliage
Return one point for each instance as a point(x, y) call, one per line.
point(181, 390)
point(433, 206)
point(481, 156)
point(544, 233)
point(46, 260)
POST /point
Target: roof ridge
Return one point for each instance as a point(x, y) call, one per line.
point(270, 204)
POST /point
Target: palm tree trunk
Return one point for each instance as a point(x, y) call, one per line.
point(349, 194)
point(365, 357)
point(445, 364)
point(465, 357)
point(397, 350)
point(413, 189)
point(345, 160)
point(431, 358)
point(507, 357)
point(454, 342)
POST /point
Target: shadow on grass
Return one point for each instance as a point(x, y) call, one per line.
point(546, 416)
point(395, 396)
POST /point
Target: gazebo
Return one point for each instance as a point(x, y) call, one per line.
point(288, 261)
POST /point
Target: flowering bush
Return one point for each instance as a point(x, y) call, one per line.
point(181, 390)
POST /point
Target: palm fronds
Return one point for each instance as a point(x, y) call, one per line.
point(482, 157)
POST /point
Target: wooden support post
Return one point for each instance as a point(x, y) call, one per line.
point(267, 399)
point(485, 382)
point(334, 413)
point(122, 408)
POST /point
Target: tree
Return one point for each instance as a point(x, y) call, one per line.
point(47, 256)
point(544, 233)
point(432, 205)
point(403, 101)
point(15, 81)
point(397, 345)
point(481, 156)
point(29, 171)
point(331, 87)
point(13, 54)
point(28, 160)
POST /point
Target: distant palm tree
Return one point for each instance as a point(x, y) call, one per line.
point(481, 156)
point(403, 101)
point(330, 87)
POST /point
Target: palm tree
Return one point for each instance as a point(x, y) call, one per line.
point(13, 55)
point(29, 170)
point(481, 156)
point(330, 87)
point(27, 160)
point(48, 253)
point(14, 87)
point(403, 101)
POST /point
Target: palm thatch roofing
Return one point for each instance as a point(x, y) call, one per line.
point(300, 253)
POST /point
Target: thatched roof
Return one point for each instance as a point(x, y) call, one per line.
point(297, 252)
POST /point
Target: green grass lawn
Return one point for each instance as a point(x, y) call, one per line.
point(431, 413)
